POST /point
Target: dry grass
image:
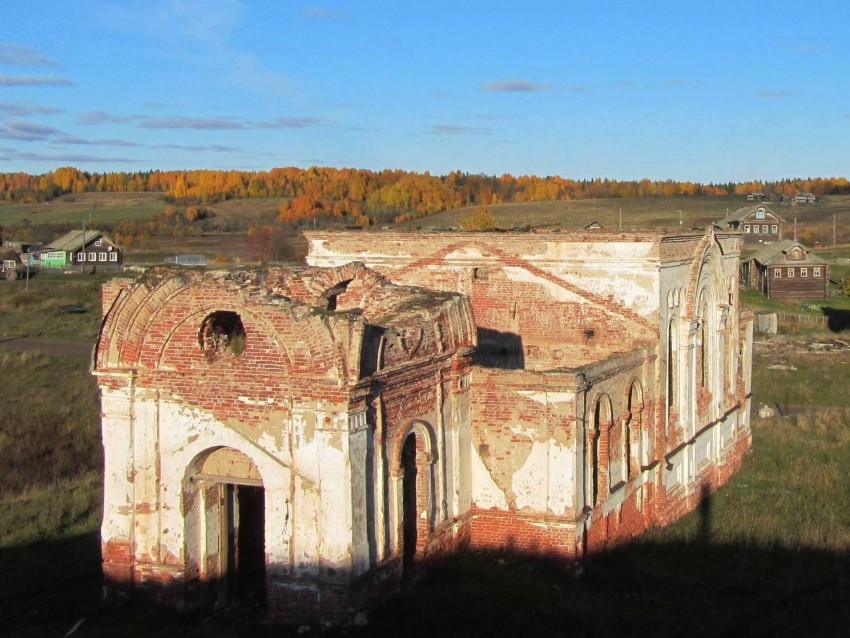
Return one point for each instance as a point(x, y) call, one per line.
point(648, 212)
point(774, 561)
point(33, 309)
point(92, 208)
point(49, 421)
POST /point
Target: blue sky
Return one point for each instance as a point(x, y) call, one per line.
point(682, 90)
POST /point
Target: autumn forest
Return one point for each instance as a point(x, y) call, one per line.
point(364, 196)
point(347, 197)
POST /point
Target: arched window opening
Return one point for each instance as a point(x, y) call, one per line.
point(409, 500)
point(415, 467)
point(593, 461)
point(672, 355)
point(222, 333)
point(703, 344)
point(347, 295)
point(636, 435)
point(599, 445)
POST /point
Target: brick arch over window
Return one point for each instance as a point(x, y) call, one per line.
point(420, 429)
point(637, 433)
point(202, 499)
point(193, 322)
point(706, 269)
point(414, 460)
point(144, 319)
point(327, 282)
point(598, 443)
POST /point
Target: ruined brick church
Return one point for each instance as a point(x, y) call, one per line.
point(312, 435)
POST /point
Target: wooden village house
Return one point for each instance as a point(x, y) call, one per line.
point(787, 270)
point(758, 224)
point(81, 248)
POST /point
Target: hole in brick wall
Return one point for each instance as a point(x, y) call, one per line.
point(222, 333)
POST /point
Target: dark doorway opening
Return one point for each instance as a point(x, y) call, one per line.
point(408, 462)
point(244, 577)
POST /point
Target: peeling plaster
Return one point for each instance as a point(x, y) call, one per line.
point(546, 481)
point(466, 252)
point(250, 401)
point(330, 258)
point(486, 492)
point(557, 292)
point(546, 398)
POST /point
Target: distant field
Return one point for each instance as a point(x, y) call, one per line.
point(78, 207)
point(224, 248)
point(814, 221)
point(115, 207)
point(647, 212)
point(253, 209)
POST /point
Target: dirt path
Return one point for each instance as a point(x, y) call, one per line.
point(49, 346)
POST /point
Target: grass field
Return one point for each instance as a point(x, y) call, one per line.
point(95, 208)
point(626, 213)
point(34, 308)
point(654, 212)
point(111, 208)
point(768, 556)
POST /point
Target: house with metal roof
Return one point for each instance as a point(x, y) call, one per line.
point(81, 248)
point(787, 270)
point(758, 224)
point(805, 198)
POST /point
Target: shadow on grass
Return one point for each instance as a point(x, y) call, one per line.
point(837, 320)
point(646, 588)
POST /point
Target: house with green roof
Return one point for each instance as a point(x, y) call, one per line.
point(81, 248)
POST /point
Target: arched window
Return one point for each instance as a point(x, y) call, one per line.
point(672, 358)
point(598, 444)
point(636, 435)
point(222, 333)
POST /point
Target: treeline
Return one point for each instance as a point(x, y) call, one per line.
point(361, 196)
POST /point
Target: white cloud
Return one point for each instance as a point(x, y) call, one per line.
point(30, 80)
point(515, 86)
point(23, 56)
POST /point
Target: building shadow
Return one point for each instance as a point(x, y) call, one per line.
point(647, 587)
point(502, 350)
point(704, 510)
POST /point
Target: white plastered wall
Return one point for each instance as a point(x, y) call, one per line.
point(151, 446)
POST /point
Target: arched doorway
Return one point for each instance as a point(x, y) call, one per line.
point(415, 493)
point(225, 530)
point(410, 534)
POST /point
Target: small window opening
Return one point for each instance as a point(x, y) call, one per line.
point(222, 332)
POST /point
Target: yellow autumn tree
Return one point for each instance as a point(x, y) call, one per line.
point(480, 218)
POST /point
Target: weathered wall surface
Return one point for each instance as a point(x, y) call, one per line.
point(642, 432)
point(538, 392)
point(225, 371)
point(541, 301)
